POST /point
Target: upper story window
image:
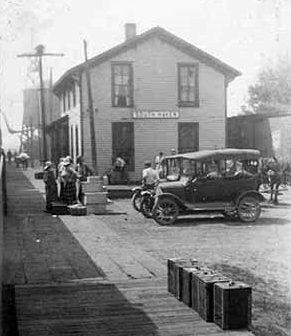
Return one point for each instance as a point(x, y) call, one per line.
point(64, 101)
point(122, 85)
point(69, 99)
point(74, 94)
point(188, 85)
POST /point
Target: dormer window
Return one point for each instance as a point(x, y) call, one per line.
point(122, 84)
point(188, 85)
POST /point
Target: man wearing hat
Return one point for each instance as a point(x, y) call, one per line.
point(149, 176)
point(51, 189)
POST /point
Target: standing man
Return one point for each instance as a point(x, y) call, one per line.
point(158, 161)
point(9, 156)
point(173, 151)
point(149, 176)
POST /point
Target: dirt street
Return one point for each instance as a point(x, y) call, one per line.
point(257, 253)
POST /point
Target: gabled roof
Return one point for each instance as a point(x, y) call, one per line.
point(163, 35)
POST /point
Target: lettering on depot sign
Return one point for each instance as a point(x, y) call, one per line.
point(155, 114)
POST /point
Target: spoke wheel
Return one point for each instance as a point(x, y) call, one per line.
point(136, 201)
point(146, 207)
point(166, 211)
point(249, 209)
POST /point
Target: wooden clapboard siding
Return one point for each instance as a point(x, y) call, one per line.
point(155, 80)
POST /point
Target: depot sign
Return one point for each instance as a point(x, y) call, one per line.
point(155, 114)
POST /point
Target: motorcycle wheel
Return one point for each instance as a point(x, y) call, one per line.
point(146, 207)
point(136, 201)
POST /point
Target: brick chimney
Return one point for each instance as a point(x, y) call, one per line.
point(130, 30)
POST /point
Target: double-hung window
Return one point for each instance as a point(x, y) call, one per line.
point(122, 85)
point(74, 94)
point(188, 85)
point(64, 101)
point(69, 99)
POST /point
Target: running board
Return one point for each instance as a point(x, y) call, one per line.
point(213, 206)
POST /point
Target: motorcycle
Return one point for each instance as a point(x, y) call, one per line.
point(147, 202)
point(136, 198)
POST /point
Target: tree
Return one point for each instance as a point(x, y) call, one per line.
point(272, 91)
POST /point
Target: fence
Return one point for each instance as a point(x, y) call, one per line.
point(3, 212)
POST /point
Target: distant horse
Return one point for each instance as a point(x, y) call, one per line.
point(275, 179)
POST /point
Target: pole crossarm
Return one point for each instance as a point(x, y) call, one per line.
point(52, 54)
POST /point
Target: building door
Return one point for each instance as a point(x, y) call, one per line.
point(188, 137)
point(123, 142)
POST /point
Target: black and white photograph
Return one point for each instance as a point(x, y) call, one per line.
point(145, 167)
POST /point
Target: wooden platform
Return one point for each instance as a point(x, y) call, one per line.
point(60, 290)
point(137, 308)
point(120, 191)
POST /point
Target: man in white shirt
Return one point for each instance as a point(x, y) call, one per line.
point(149, 176)
point(158, 160)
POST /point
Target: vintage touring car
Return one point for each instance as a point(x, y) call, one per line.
point(224, 180)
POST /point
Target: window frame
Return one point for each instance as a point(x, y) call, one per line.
point(196, 102)
point(64, 101)
point(77, 139)
point(69, 98)
point(74, 94)
point(131, 83)
point(72, 140)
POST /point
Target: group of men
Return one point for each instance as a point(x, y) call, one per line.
point(151, 176)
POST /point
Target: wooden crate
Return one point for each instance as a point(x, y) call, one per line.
point(205, 300)
point(186, 284)
point(232, 305)
point(178, 270)
point(171, 274)
point(194, 284)
point(59, 208)
point(174, 272)
point(39, 175)
point(77, 210)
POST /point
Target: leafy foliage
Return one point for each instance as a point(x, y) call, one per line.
point(272, 91)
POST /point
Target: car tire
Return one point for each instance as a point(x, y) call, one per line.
point(249, 209)
point(165, 211)
point(146, 207)
point(136, 201)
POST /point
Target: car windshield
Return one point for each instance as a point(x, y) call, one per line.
point(188, 168)
point(176, 168)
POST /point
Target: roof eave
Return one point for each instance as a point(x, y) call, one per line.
point(230, 72)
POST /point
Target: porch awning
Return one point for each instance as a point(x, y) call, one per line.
point(57, 123)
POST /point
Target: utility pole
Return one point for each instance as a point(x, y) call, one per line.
point(39, 54)
point(91, 111)
point(31, 142)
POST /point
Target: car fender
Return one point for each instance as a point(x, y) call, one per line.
point(252, 193)
point(168, 195)
point(136, 189)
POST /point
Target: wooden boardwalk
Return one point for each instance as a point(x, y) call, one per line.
point(60, 290)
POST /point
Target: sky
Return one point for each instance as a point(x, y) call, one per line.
point(246, 34)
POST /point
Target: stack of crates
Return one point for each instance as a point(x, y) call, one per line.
point(95, 198)
point(215, 297)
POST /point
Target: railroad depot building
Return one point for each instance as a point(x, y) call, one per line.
point(151, 93)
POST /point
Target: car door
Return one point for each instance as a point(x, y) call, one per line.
point(207, 190)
